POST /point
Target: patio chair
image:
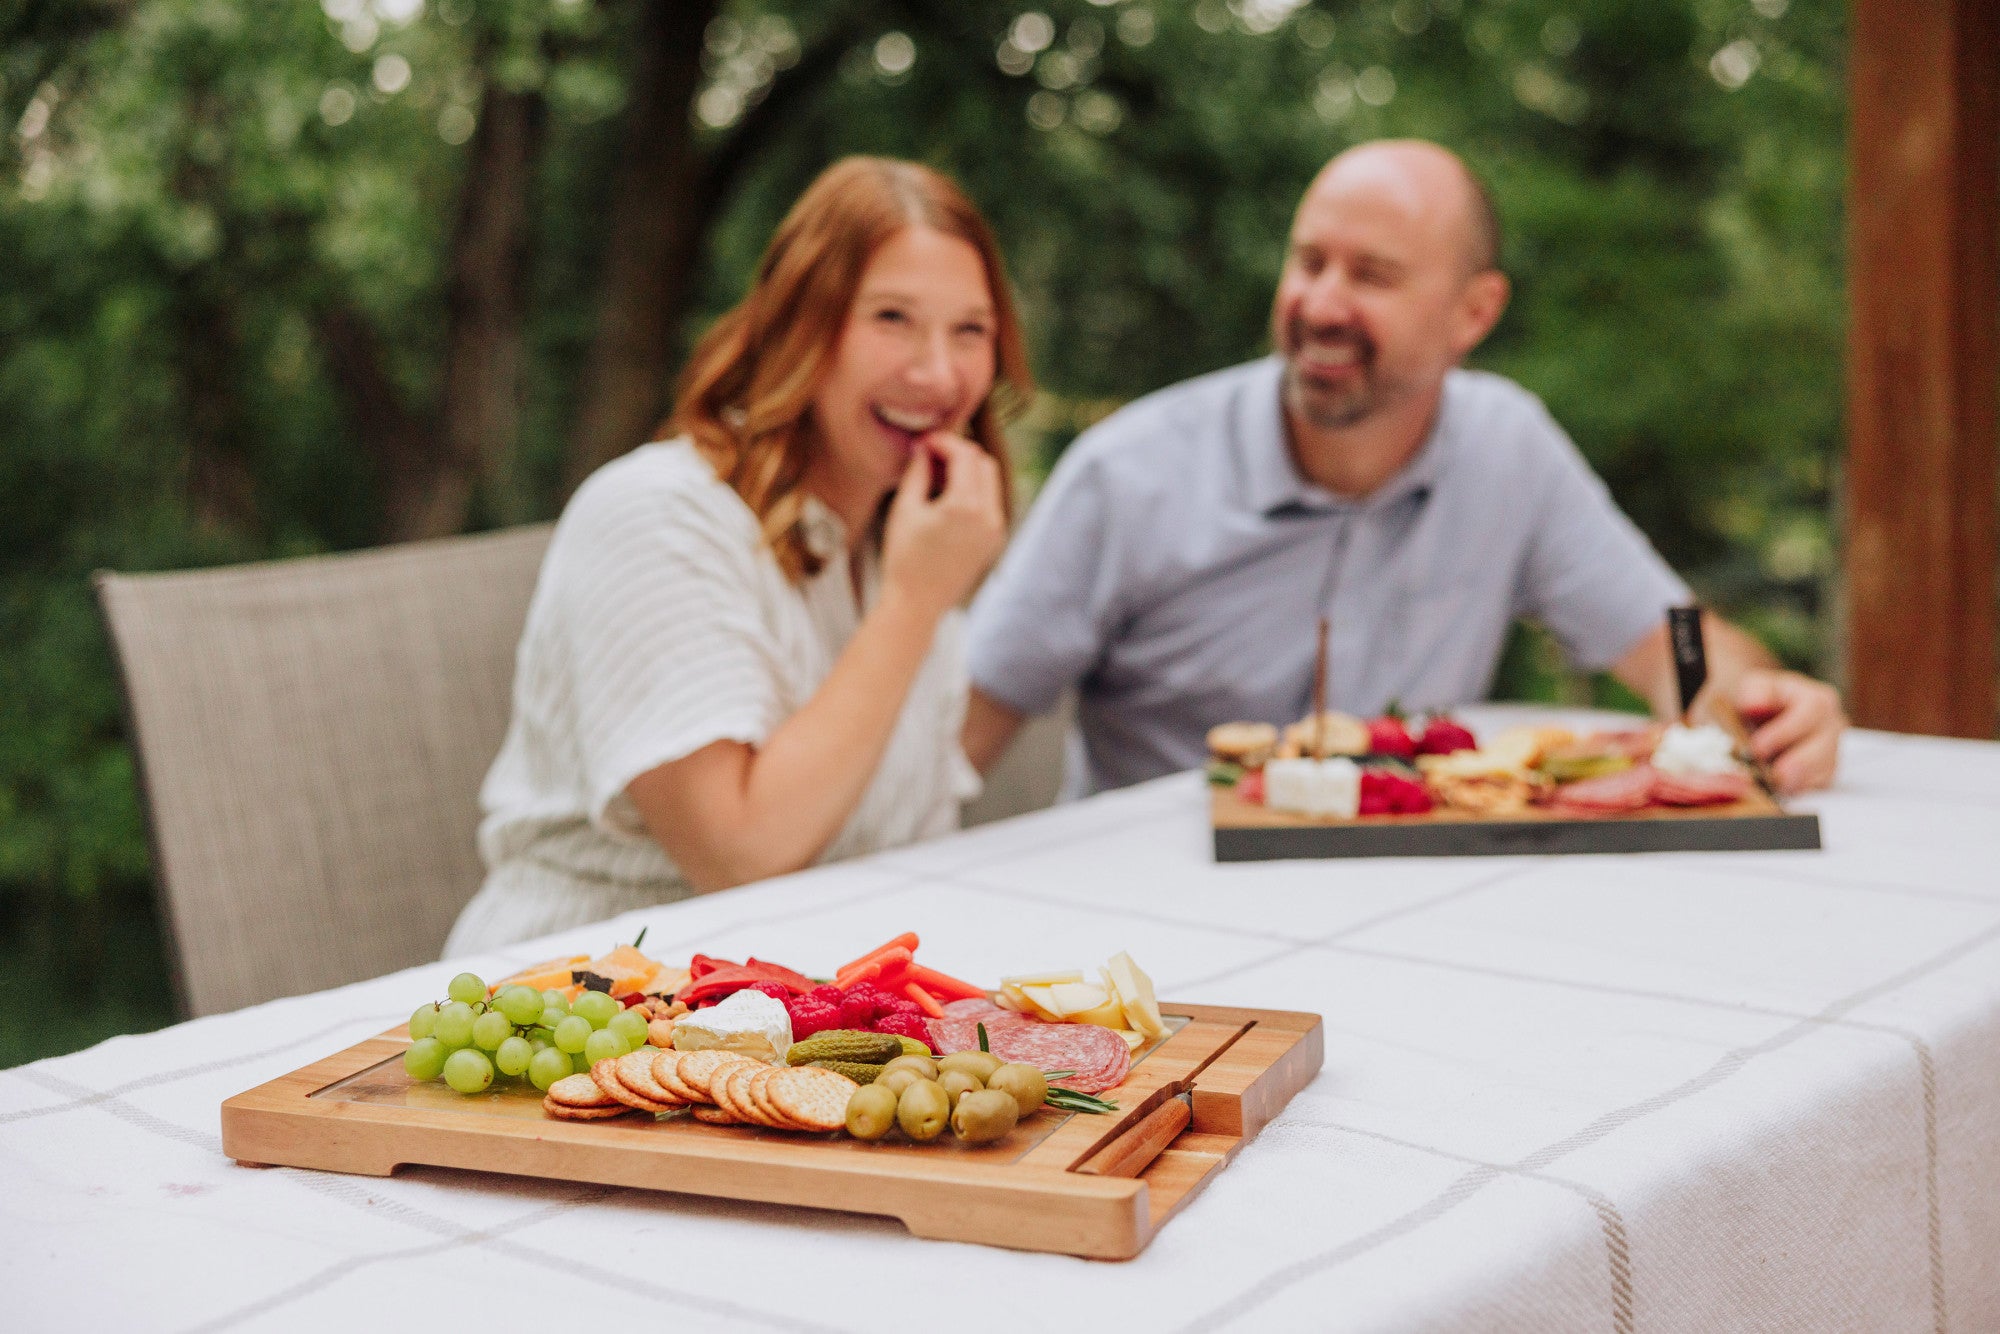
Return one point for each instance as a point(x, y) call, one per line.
point(311, 736)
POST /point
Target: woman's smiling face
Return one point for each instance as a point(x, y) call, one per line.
point(916, 355)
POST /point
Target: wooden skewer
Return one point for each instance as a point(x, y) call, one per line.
point(1319, 695)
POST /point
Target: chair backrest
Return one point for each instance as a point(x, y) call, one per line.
point(311, 736)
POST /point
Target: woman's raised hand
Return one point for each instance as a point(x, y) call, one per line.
point(936, 547)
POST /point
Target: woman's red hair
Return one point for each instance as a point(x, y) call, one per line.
point(746, 395)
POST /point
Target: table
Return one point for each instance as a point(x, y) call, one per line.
point(1669, 1092)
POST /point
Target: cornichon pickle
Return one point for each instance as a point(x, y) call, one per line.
point(859, 1071)
point(846, 1044)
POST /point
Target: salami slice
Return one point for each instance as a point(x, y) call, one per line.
point(961, 1032)
point(1700, 789)
point(973, 1007)
point(1629, 790)
point(1099, 1056)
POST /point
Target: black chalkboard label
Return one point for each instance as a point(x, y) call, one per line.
point(1690, 655)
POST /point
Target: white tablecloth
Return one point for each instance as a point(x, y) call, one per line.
point(1671, 1092)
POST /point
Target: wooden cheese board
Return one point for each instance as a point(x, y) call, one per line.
point(1246, 831)
point(1098, 1186)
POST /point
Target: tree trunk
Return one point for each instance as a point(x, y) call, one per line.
point(657, 221)
point(487, 315)
point(669, 195)
point(430, 465)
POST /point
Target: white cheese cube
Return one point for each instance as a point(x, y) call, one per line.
point(1314, 787)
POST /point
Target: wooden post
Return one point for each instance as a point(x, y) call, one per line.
point(1923, 396)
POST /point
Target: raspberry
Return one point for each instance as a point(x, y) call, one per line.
point(1443, 735)
point(1388, 736)
point(905, 1026)
point(777, 991)
point(900, 1005)
point(1384, 793)
point(1375, 799)
point(827, 992)
point(857, 1011)
point(811, 1015)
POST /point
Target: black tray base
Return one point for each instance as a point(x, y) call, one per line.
point(1501, 838)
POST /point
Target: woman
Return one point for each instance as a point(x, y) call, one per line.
point(743, 655)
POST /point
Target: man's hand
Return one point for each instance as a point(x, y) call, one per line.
point(1796, 724)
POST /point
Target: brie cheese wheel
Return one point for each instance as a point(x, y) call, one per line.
point(1314, 787)
point(747, 1022)
point(1695, 750)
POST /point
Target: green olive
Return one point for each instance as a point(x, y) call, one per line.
point(923, 1066)
point(923, 1110)
point(871, 1112)
point(957, 1083)
point(985, 1115)
point(978, 1064)
point(898, 1080)
point(1028, 1085)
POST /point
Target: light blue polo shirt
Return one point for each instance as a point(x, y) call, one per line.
point(1175, 566)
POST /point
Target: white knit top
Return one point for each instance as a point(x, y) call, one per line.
point(661, 623)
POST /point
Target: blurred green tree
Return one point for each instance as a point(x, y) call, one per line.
point(282, 278)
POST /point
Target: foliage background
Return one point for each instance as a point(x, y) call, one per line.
point(277, 276)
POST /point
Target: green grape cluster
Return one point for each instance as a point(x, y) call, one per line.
point(470, 1039)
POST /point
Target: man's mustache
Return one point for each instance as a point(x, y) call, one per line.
point(1298, 338)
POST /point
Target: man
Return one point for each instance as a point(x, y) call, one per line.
point(1176, 563)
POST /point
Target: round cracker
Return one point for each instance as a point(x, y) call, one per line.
point(697, 1068)
point(605, 1072)
point(567, 1113)
point(811, 1097)
point(667, 1072)
point(736, 1084)
point(580, 1091)
point(635, 1072)
point(760, 1095)
point(730, 1095)
point(715, 1116)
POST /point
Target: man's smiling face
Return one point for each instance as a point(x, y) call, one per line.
point(1371, 309)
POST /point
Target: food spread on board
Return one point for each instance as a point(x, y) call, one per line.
point(1345, 768)
point(886, 1045)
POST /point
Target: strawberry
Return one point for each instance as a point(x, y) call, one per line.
point(1388, 736)
point(1443, 735)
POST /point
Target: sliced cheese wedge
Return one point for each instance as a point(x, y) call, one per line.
point(1135, 992)
point(1042, 1001)
point(1041, 979)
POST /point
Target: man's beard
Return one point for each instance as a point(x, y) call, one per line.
point(1326, 407)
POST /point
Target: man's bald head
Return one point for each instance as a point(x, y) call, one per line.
point(1433, 182)
point(1389, 281)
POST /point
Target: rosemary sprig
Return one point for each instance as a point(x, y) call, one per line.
point(1069, 1100)
point(982, 1039)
